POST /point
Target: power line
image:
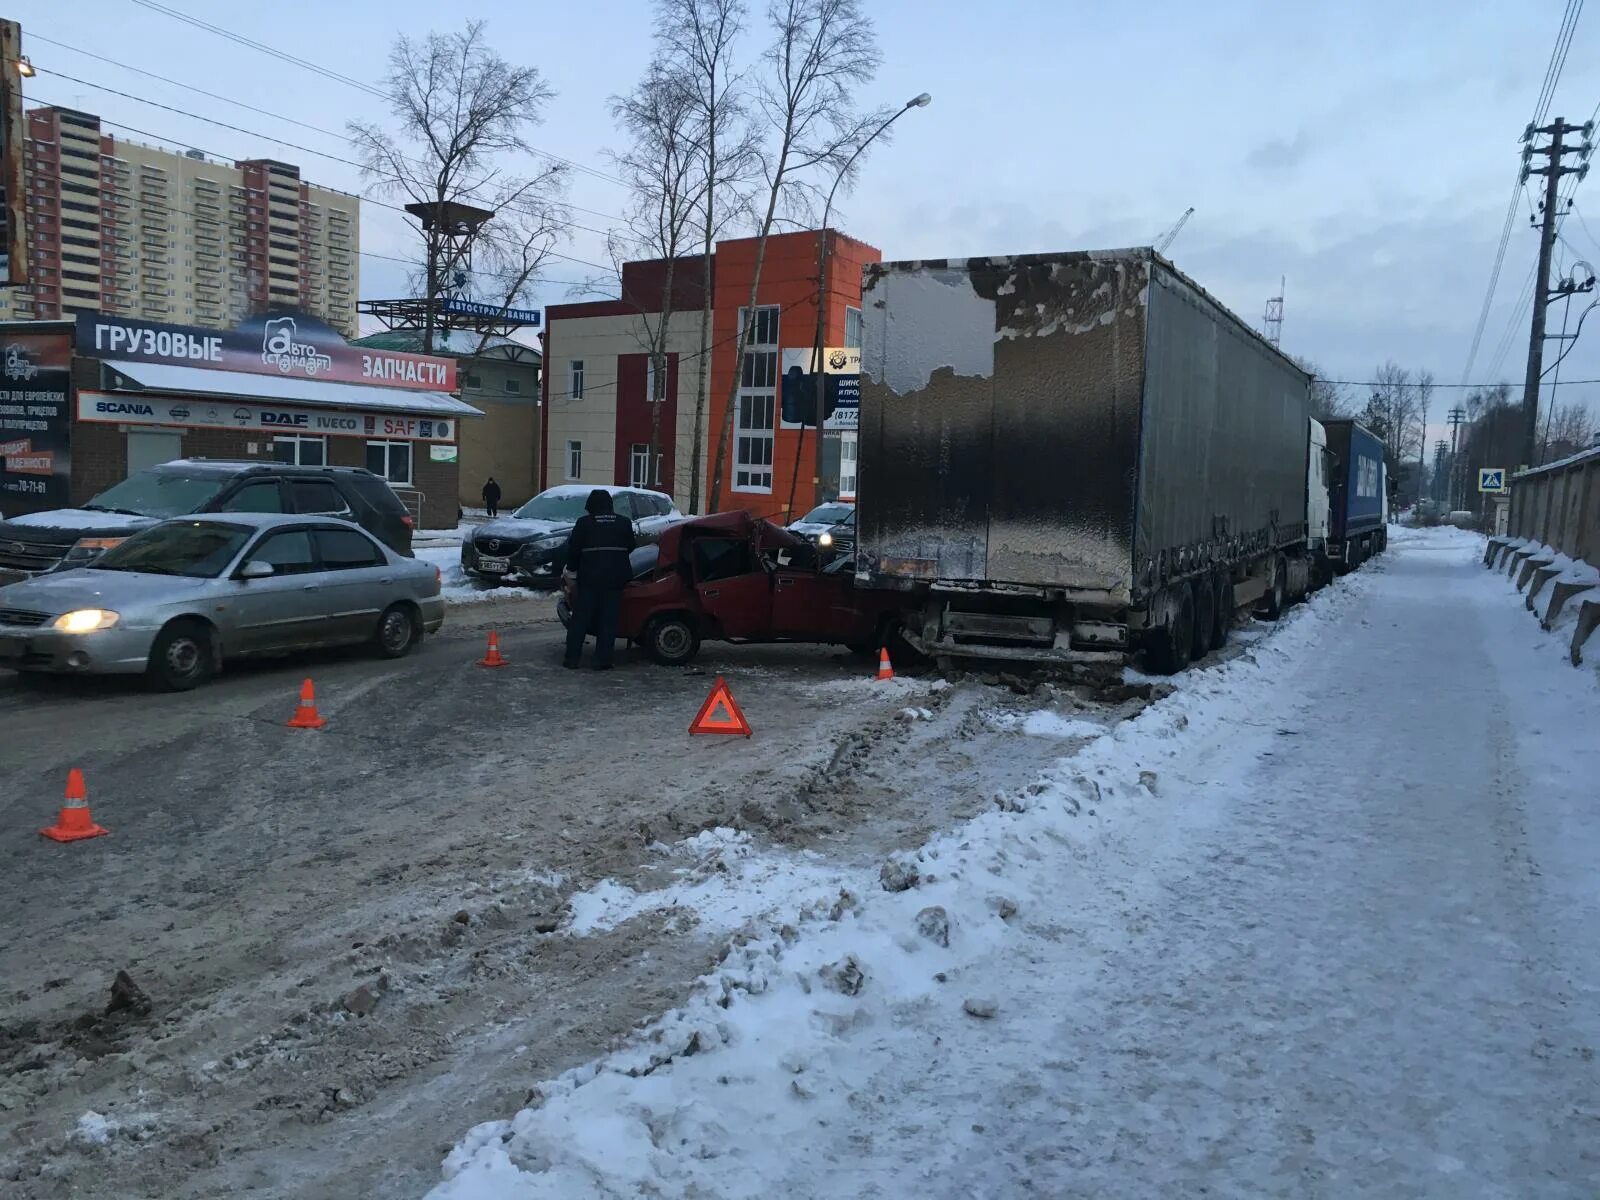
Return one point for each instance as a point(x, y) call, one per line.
point(363, 199)
point(183, 112)
point(277, 116)
point(1382, 383)
point(1552, 75)
point(345, 79)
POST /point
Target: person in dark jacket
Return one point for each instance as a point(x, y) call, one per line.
point(491, 497)
point(597, 553)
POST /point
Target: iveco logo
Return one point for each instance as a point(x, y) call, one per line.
point(178, 413)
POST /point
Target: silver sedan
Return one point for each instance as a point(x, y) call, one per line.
point(176, 600)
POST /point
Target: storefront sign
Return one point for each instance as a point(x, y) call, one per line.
point(445, 454)
point(477, 308)
point(841, 366)
point(295, 345)
point(35, 423)
point(123, 408)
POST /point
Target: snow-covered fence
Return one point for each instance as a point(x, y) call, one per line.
point(1552, 544)
point(1558, 505)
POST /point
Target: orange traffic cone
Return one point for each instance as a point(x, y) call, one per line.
point(74, 824)
point(885, 671)
point(306, 716)
point(493, 659)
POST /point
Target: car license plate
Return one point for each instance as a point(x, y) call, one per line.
point(11, 647)
point(495, 566)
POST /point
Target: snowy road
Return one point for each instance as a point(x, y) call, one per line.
point(1324, 923)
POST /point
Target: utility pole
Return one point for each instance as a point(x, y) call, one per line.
point(1440, 449)
point(1456, 417)
point(1553, 170)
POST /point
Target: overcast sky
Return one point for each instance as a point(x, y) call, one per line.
point(1365, 151)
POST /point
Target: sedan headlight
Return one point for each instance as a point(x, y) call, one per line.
point(86, 620)
point(85, 549)
point(549, 542)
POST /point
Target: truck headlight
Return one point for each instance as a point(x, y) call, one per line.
point(825, 540)
point(86, 620)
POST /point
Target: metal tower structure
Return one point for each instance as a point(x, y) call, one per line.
point(1272, 319)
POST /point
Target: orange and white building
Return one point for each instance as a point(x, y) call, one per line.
point(600, 392)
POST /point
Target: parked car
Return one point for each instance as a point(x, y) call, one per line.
point(839, 541)
point(72, 537)
point(734, 577)
point(822, 518)
point(176, 600)
point(527, 546)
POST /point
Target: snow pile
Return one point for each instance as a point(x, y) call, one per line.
point(926, 973)
point(457, 587)
point(724, 884)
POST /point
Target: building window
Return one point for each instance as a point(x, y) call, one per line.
point(301, 449)
point(758, 398)
point(512, 385)
point(574, 460)
point(575, 380)
point(655, 384)
point(391, 461)
point(847, 462)
point(852, 328)
point(639, 473)
point(470, 380)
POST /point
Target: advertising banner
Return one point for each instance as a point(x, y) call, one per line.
point(35, 423)
point(841, 367)
point(291, 344)
point(124, 409)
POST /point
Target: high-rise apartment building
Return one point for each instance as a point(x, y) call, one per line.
point(136, 231)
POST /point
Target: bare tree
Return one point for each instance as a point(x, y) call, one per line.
point(821, 50)
point(695, 40)
point(1568, 429)
point(462, 116)
point(664, 170)
point(1395, 412)
point(1328, 401)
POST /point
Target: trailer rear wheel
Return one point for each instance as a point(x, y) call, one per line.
point(1223, 621)
point(1169, 647)
point(1205, 618)
point(1277, 597)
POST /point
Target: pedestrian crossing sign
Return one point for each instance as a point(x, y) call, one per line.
point(1491, 479)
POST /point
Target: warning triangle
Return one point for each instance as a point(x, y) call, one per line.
point(720, 713)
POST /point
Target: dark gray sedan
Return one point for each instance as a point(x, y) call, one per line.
point(178, 599)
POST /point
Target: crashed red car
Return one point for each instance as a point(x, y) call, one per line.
point(736, 578)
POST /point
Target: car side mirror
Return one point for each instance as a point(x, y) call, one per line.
point(256, 569)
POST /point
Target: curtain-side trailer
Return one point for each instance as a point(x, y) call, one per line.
point(1074, 456)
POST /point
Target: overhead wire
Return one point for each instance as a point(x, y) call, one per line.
point(364, 199)
point(264, 48)
point(277, 116)
point(1553, 69)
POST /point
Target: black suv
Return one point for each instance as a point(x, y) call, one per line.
point(71, 537)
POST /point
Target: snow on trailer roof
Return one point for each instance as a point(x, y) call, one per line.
point(1045, 258)
point(318, 393)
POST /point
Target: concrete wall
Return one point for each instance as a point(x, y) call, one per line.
point(1559, 505)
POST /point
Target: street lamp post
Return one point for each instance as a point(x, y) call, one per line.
point(824, 243)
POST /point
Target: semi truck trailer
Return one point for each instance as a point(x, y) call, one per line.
point(1075, 457)
point(1358, 493)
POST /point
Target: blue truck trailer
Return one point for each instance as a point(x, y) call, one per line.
point(1357, 527)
